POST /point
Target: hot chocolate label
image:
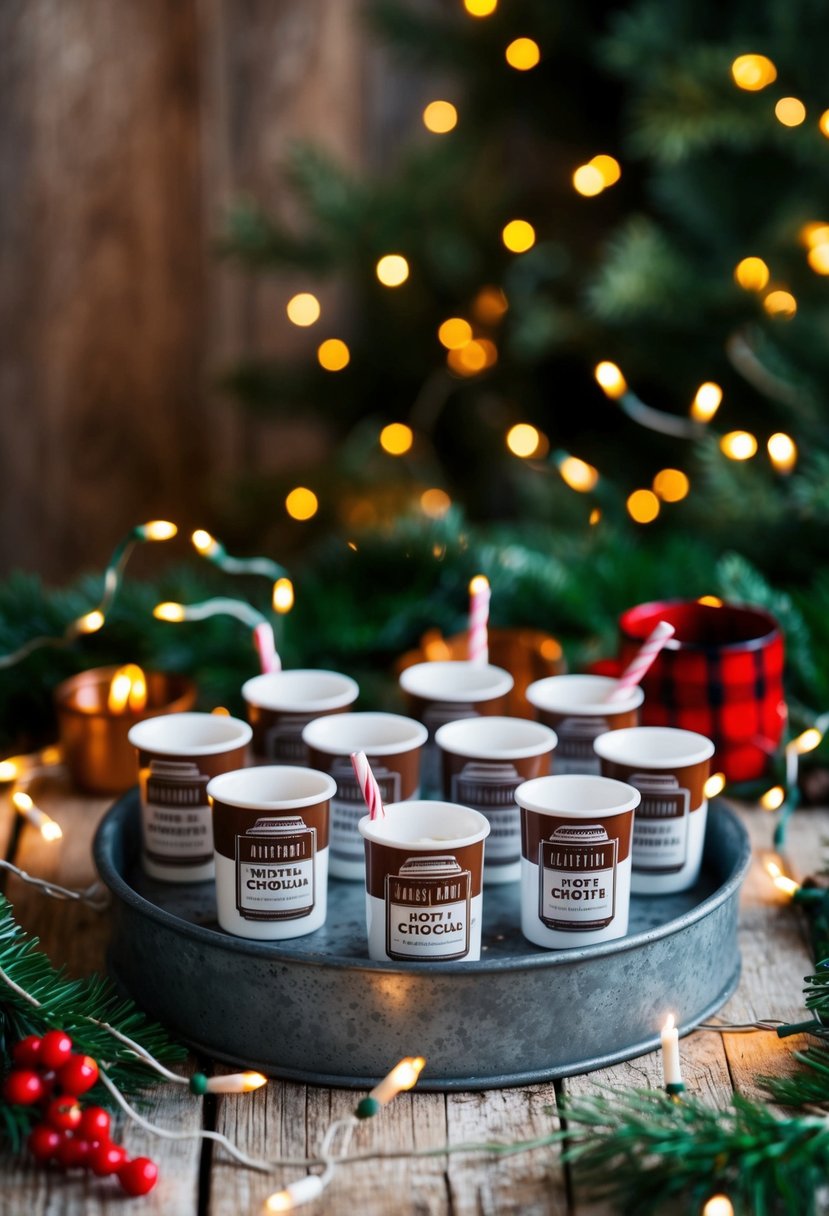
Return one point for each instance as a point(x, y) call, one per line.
point(428, 906)
point(490, 789)
point(577, 878)
point(348, 806)
point(275, 869)
point(660, 826)
point(574, 753)
point(283, 740)
point(176, 813)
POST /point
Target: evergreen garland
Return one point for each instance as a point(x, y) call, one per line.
point(74, 1006)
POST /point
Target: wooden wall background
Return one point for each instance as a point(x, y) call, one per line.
point(126, 129)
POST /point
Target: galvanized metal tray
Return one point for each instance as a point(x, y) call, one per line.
point(316, 1009)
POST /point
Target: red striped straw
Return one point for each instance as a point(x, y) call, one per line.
point(368, 786)
point(478, 645)
point(263, 640)
point(641, 661)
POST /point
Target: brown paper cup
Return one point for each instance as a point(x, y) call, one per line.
point(281, 703)
point(575, 708)
point(177, 755)
point(270, 827)
point(392, 745)
point(669, 767)
point(484, 760)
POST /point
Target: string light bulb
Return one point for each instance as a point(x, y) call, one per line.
point(818, 258)
point(169, 611)
point(403, 1076)
point(231, 1083)
point(333, 355)
point(780, 303)
point(823, 123)
point(283, 596)
point(523, 54)
point(46, 825)
point(588, 180)
point(642, 506)
point(782, 452)
point(806, 742)
point(440, 117)
point(752, 274)
point(204, 543)
point(790, 111)
point(157, 529)
point(578, 474)
point(718, 1205)
point(396, 438)
point(712, 601)
point(9, 770)
point(301, 503)
point(753, 72)
point(303, 309)
point(714, 785)
point(738, 445)
point(392, 269)
point(489, 305)
point(435, 503)
point(295, 1193)
point(609, 168)
point(518, 236)
point(90, 622)
point(707, 400)
point(671, 485)
point(454, 333)
point(480, 8)
point(773, 798)
point(782, 881)
point(523, 440)
point(610, 379)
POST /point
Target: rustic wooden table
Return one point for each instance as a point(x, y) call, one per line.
point(289, 1119)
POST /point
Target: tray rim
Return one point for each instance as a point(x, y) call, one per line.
point(129, 803)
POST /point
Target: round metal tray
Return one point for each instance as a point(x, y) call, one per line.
point(316, 1009)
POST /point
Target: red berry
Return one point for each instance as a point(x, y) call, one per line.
point(73, 1153)
point(26, 1053)
point(95, 1123)
point(23, 1086)
point(107, 1159)
point(43, 1142)
point(55, 1049)
point(78, 1074)
point(139, 1176)
point(49, 1080)
point(63, 1113)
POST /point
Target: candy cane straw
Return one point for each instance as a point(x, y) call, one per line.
point(478, 648)
point(368, 786)
point(263, 640)
point(641, 661)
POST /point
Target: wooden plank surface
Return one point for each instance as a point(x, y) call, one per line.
point(287, 1119)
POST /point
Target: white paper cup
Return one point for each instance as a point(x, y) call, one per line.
point(449, 691)
point(392, 745)
point(484, 760)
point(424, 878)
point(281, 703)
point(576, 835)
point(177, 756)
point(669, 767)
point(576, 709)
point(270, 827)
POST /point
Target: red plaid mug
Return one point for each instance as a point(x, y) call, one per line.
point(720, 675)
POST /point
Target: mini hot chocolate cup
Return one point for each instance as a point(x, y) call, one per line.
point(270, 826)
point(669, 767)
point(484, 760)
point(576, 834)
point(424, 877)
point(281, 703)
point(177, 756)
point(392, 745)
point(447, 692)
point(576, 709)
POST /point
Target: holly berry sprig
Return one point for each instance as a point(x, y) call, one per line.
point(74, 1136)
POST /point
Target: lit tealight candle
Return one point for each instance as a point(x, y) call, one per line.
point(671, 1069)
point(230, 1083)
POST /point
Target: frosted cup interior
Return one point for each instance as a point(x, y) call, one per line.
point(576, 709)
point(447, 691)
point(281, 703)
point(270, 828)
point(424, 874)
point(392, 744)
point(483, 761)
point(177, 756)
point(669, 767)
point(576, 836)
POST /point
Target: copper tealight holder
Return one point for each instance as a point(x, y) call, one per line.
point(528, 654)
point(93, 736)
